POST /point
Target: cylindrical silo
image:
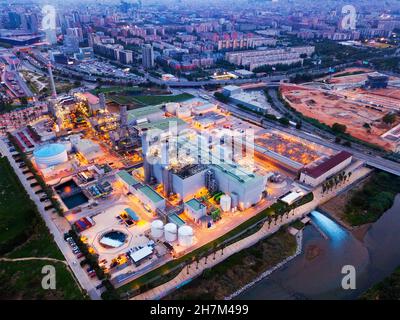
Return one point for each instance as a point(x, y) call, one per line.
point(171, 107)
point(185, 236)
point(170, 230)
point(50, 155)
point(225, 202)
point(157, 229)
point(183, 112)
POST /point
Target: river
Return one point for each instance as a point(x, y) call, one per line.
point(316, 272)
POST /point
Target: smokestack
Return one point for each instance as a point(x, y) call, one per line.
point(145, 145)
point(165, 154)
point(102, 101)
point(53, 86)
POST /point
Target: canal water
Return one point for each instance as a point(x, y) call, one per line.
point(316, 272)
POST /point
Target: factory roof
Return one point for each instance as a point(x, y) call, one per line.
point(292, 197)
point(328, 164)
point(143, 112)
point(231, 87)
point(124, 175)
point(162, 124)
point(91, 98)
point(141, 253)
point(195, 204)
point(174, 218)
point(152, 195)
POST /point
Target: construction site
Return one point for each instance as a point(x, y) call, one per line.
point(358, 101)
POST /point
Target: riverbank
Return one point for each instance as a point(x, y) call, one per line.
point(360, 207)
point(388, 289)
point(316, 272)
point(239, 270)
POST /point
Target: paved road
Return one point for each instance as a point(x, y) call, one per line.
point(80, 274)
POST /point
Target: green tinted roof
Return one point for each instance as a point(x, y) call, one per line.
point(124, 175)
point(195, 204)
point(151, 194)
point(162, 124)
point(143, 112)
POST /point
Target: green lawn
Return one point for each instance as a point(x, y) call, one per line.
point(147, 100)
point(115, 89)
point(153, 100)
point(23, 233)
point(22, 280)
point(17, 212)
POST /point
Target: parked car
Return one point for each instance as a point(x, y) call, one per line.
point(99, 286)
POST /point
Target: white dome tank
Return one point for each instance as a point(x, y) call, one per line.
point(225, 202)
point(157, 229)
point(170, 230)
point(183, 112)
point(171, 107)
point(185, 236)
point(50, 155)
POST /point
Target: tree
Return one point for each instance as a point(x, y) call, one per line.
point(389, 118)
point(347, 144)
point(366, 126)
point(338, 140)
point(284, 121)
point(339, 128)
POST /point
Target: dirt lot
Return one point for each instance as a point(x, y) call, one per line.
point(343, 107)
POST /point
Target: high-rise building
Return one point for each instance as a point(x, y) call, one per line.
point(71, 44)
point(76, 32)
point(51, 36)
point(14, 20)
point(147, 56)
point(31, 22)
point(126, 56)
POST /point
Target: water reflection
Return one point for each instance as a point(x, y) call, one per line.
point(336, 234)
point(318, 275)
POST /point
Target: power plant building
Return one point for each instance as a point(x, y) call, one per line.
point(181, 174)
point(195, 209)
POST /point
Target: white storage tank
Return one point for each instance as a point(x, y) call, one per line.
point(171, 107)
point(183, 112)
point(50, 155)
point(170, 230)
point(185, 236)
point(157, 229)
point(225, 202)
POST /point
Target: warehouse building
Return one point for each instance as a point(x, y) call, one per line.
point(150, 199)
point(195, 209)
point(145, 114)
point(315, 175)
